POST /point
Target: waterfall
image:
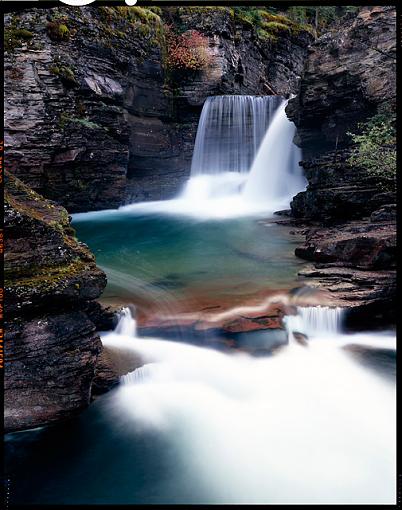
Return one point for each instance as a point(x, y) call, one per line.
point(230, 132)
point(126, 325)
point(275, 176)
point(315, 321)
point(236, 134)
point(244, 162)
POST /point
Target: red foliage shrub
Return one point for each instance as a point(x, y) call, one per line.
point(188, 50)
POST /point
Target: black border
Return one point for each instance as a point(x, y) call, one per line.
point(14, 5)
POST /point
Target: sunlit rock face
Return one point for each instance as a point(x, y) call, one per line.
point(95, 120)
point(51, 343)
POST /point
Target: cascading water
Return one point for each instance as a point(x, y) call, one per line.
point(275, 176)
point(306, 425)
point(244, 162)
point(126, 325)
point(230, 132)
point(315, 320)
point(236, 134)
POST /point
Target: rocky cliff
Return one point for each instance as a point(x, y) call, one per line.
point(349, 74)
point(349, 77)
point(51, 282)
point(95, 117)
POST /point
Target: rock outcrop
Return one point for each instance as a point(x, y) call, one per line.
point(338, 191)
point(349, 77)
point(51, 282)
point(95, 118)
point(350, 71)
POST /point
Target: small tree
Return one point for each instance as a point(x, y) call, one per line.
point(375, 148)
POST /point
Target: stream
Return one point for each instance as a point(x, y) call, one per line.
point(311, 421)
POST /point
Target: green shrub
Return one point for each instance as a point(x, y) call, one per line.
point(58, 31)
point(375, 148)
point(64, 72)
point(65, 119)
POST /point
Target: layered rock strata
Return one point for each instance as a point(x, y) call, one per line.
point(349, 76)
point(95, 118)
point(51, 282)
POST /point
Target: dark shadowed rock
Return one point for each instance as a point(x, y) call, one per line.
point(386, 213)
point(51, 345)
point(349, 75)
point(349, 72)
point(337, 191)
point(355, 244)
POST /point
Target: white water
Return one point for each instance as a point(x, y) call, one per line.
point(253, 143)
point(244, 163)
point(307, 425)
point(315, 320)
point(275, 176)
point(230, 132)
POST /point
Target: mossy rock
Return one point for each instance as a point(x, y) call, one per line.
point(15, 37)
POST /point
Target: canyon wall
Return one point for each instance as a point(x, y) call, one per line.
point(51, 282)
point(94, 116)
point(349, 76)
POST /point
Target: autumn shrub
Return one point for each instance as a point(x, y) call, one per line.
point(188, 50)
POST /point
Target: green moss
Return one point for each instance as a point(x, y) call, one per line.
point(64, 72)
point(63, 31)
point(86, 123)
point(58, 30)
point(135, 13)
point(46, 278)
point(276, 18)
point(50, 273)
point(156, 10)
point(15, 37)
point(268, 25)
point(205, 9)
point(33, 205)
point(122, 22)
point(273, 27)
point(263, 35)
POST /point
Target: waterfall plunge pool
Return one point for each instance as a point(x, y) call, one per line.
point(166, 263)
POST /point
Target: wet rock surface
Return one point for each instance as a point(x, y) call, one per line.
point(351, 241)
point(338, 191)
point(362, 245)
point(355, 263)
point(95, 119)
point(51, 344)
point(349, 72)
